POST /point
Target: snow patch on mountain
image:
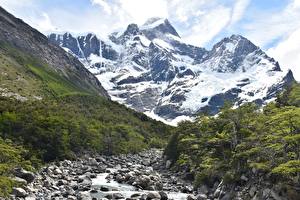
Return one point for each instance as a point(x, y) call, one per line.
point(151, 70)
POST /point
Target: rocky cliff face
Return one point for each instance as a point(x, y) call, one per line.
point(149, 68)
point(20, 36)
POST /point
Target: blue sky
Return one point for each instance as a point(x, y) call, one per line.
point(274, 25)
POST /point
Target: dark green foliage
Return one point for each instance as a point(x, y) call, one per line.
point(56, 129)
point(290, 97)
point(241, 140)
point(12, 156)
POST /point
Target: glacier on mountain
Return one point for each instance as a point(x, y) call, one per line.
point(152, 70)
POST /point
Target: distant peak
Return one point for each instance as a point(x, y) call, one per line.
point(67, 34)
point(236, 37)
point(132, 29)
point(235, 42)
point(161, 25)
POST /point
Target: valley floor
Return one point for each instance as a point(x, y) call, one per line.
point(132, 176)
point(142, 176)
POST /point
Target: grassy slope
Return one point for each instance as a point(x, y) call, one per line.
point(29, 77)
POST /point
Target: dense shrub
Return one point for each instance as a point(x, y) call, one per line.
point(240, 140)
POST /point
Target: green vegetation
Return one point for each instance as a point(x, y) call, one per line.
point(242, 141)
point(29, 77)
point(56, 129)
point(58, 118)
point(12, 156)
point(68, 126)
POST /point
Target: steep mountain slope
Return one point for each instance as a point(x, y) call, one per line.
point(149, 68)
point(37, 67)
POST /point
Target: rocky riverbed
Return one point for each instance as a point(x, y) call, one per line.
point(138, 176)
point(142, 176)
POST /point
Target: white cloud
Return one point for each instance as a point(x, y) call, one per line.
point(139, 11)
point(203, 20)
point(104, 5)
point(27, 10)
point(239, 10)
point(198, 21)
point(287, 52)
point(267, 27)
point(44, 24)
point(209, 24)
point(183, 11)
point(11, 4)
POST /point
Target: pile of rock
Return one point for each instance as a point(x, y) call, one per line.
point(73, 179)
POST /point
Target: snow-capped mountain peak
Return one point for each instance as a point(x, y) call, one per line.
point(132, 29)
point(158, 28)
point(150, 69)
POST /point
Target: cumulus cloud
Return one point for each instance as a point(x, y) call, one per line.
point(287, 52)
point(106, 7)
point(208, 25)
point(266, 27)
point(198, 21)
point(239, 10)
point(139, 11)
point(44, 24)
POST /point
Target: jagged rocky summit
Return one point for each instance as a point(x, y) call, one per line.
point(151, 69)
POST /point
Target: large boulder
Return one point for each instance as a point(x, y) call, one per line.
point(20, 180)
point(168, 164)
point(26, 175)
point(153, 195)
point(19, 192)
point(201, 197)
point(163, 195)
point(114, 196)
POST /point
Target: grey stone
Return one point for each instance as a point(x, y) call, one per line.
point(163, 195)
point(203, 189)
point(153, 195)
point(275, 196)
point(114, 196)
point(201, 197)
point(57, 171)
point(252, 191)
point(168, 164)
point(191, 197)
point(244, 178)
point(21, 173)
point(266, 192)
point(20, 180)
point(19, 192)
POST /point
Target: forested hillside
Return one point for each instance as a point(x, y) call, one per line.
point(243, 147)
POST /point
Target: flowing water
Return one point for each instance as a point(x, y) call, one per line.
point(125, 189)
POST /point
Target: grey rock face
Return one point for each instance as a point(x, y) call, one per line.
point(161, 29)
point(232, 50)
point(84, 46)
